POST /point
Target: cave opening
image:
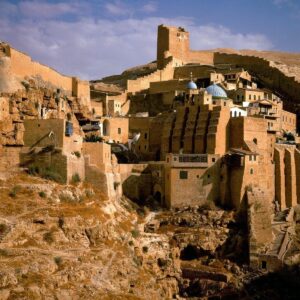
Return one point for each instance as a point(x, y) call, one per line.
point(191, 252)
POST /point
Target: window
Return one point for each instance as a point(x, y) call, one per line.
point(250, 157)
point(146, 135)
point(119, 130)
point(249, 97)
point(145, 147)
point(255, 141)
point(263, 264)
point(214, 102)
point(183, 174)
point(254, 97)
point(213, 159)
point(251, 171)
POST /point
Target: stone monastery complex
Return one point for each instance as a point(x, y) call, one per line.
point(198, 126)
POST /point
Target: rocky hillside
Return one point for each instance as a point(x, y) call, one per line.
point(69, 242)
point(288, 63)
point(117, 83)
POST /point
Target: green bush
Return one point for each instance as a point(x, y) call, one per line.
point(3, 228)
point(47, 173)
point(42, 194)
point(33, 170)
point(77, 154)
point(48, 237)
point(58, 260)
point(14, 191)
point(52, 175)
point(75, 178)
point(135, 233)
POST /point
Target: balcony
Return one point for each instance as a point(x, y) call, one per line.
point(191, 160)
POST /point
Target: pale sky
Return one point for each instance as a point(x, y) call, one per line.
point(93, 39)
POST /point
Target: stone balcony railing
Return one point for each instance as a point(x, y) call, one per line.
point(191, 160)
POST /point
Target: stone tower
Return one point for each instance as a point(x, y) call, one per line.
point(172, 41)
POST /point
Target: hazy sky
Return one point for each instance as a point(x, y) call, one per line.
point(92, 39)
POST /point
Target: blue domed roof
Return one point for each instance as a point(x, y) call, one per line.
point(191, 85)
point(216, 91)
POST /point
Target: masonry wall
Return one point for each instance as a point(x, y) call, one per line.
point(22, 65)
point(100, 155)
point(143, 82)
point(112, 125)
point(37, 132)
point(288, 121)
point(201, 184)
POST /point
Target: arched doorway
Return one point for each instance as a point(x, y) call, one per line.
point(157, 194)
point(106, 128)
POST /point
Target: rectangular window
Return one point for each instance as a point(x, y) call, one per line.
point(119, 130)
point(183, 174)
point(146, 136)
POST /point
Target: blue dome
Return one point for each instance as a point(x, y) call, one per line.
point(191, 85)
point(216, 91)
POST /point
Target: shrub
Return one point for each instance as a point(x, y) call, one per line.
point(47, 173)
point(48, 237)
point(89, 193)
point(58, 260)
point(3, 228)
point(13, 192)
point(75, 178)
point(135, 233)
point(52, 175)
point(42, 194)
point(77, 154)
point(33, 170)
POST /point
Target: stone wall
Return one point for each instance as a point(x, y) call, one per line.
point(200, 185)
point(22, 65)
point(116, 129)
point(9, 158)
point(99, 155)
point(37, 132)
